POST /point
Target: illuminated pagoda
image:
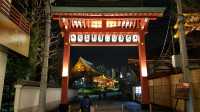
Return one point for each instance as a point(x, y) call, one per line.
point(82, 67)
point(86, 69)
point(105, 82)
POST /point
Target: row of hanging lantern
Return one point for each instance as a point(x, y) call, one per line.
point(104, 37)
point(88, 23)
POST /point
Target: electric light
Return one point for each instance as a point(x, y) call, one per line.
point(65, 72)
point(146, 20)
point(176, 26)
point(121, 75)
point(144, 71)
point(176, 35)
point(66, 27)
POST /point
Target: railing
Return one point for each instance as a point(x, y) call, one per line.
point(14, 15)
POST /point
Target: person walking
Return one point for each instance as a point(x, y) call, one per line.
point(86, 104)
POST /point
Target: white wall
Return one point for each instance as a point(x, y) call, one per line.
point(3, 61)
point(27, 98)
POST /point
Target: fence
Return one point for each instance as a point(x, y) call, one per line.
point(27, 98)
point(162, 90)
point(14, 15)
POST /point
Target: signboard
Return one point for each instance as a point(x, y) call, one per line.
point(182, 90)
point(12, 37)
point(103, 38)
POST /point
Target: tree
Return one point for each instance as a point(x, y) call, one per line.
point(32, 10)
point(101, 69)
point(44, 75)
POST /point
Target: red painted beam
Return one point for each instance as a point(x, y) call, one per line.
point(143, 70)
point(103, 44)
point(65, 71)
point(64, 91)
point(107, 30)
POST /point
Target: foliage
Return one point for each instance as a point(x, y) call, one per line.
point(27, 68)
point(33, 10)
point(17, 68)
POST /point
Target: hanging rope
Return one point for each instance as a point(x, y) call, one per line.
point(173, 47)
point(166, 36)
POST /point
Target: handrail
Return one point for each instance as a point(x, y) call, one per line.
point(14, 15)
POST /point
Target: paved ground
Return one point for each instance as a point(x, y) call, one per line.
point(117, 106)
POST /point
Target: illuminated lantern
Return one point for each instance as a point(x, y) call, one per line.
point(123, 24)
point(128, 38)
point(121, 38)
point(127, 24)
point(80, 38)
point(79, 24)
point(134, 23)
point(75, 24)
point(114, 38)
point(107, 38)
point(131, 23)
point(73, 38)
point(119, 23)
point(135, 38)
point(100, 38)
point(94, 38)
point(87, 38)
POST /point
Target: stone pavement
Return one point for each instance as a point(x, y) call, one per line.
point(116, 106)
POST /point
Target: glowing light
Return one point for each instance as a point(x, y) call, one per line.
point(121, 75)
point(146, 19)
point(77, 24)
point(104, 37)
point(66, 27)
point(111, 23)
point(144, 71)
point(65, 72)
point(96, 24)
point(176, 26)
point(73, 38)
point(176, 35)
point(142, 27)
point(138, 90)
point(83, 78)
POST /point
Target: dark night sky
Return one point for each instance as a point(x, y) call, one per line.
point(116, 56)
point(112, 56)
point(119, 55)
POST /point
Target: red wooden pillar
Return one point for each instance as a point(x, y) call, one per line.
point(65, 71)
point(143, 70)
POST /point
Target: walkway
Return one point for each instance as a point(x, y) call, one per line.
point(117, 106)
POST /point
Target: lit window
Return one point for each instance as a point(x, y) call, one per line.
point(96, 24)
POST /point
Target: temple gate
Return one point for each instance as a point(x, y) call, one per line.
point(105, 26)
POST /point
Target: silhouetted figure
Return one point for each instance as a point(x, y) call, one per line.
point(85, 104)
